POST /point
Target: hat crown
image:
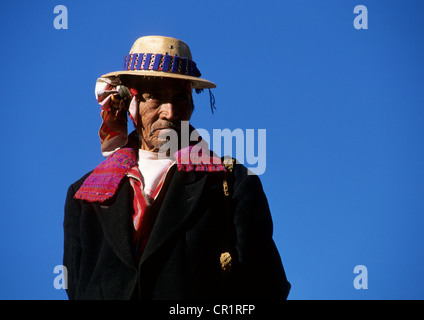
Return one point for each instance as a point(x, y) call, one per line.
point(161, 45)
point(159, 56)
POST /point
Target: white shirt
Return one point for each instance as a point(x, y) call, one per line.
point(152, 169)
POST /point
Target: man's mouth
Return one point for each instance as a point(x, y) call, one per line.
point(171, 127)
point(165, 134)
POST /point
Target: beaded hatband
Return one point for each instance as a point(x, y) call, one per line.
point(161, 62)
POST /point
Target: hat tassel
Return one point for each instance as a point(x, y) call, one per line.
point(211, 98)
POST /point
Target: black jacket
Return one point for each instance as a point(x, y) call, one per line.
point(182, 257)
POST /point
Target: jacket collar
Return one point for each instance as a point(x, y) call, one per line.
point(103, 182)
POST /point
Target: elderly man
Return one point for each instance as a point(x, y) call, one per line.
point(153, 224)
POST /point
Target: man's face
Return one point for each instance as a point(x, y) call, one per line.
point(164, 103)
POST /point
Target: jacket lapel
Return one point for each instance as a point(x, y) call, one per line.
point(180, 200)
point(115, 217)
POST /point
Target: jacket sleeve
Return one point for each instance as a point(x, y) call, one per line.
point(72, 241)
point(261, 274)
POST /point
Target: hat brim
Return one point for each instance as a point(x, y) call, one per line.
point(197, 83)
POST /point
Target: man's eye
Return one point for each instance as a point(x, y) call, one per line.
point(151, 96)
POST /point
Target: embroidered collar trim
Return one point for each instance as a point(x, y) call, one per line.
point(104, 181)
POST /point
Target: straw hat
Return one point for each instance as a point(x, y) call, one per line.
point(158, 56)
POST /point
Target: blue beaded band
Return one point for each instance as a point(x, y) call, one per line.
point(161, 62)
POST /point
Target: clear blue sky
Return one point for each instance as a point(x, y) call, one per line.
point(343, 111)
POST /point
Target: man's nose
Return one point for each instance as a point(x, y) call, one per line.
point(169, 111)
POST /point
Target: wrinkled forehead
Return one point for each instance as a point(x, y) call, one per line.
point(146, 84)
